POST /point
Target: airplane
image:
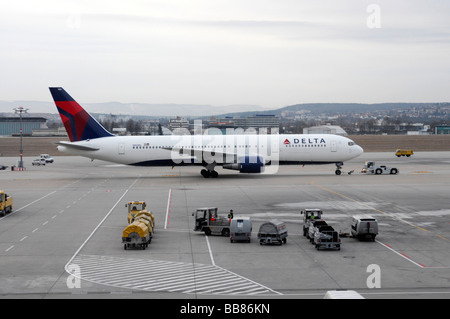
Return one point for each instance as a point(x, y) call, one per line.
point(246, 153)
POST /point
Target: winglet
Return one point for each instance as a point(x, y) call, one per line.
point(79, 124)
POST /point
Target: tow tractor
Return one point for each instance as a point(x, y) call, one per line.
point(309, 215)
point(208, 221)
point(134, 208)
point(371, 168)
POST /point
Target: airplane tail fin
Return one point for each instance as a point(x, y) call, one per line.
point(79, 124)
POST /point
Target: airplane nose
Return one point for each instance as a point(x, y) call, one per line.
point(359, 150)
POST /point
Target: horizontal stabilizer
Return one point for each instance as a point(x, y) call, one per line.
point(78, 146)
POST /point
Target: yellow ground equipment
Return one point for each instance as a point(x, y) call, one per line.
point(6, 203)
point(134, 208)
point(400, 152)
point(146, 217)
point(136, 235)
point(139, 232)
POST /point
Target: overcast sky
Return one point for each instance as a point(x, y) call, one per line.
point(270, 53)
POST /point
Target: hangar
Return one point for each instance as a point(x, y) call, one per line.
point(11, 125)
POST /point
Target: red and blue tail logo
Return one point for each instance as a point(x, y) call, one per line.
point(79, 124)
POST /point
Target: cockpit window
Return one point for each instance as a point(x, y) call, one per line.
point(351, 143)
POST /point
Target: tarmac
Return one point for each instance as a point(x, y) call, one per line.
point(63, 238)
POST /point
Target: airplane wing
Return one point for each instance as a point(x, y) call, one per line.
point(185, 153)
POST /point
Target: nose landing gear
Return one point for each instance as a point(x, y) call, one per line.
point(338, 168)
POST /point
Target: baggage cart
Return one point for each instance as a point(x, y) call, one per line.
point(327, 237)
point(274, 231)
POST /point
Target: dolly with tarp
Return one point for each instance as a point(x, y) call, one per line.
point(136, 235)
point(271, 232)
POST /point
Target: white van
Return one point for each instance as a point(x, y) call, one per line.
point(47, 158)
point(364, 227)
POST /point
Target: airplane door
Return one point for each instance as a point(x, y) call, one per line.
point(275, 145)
point(333, 146)
point(121, 149)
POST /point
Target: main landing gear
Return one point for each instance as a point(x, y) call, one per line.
point(209, 171)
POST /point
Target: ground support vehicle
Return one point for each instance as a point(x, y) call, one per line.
point(208, 221)
point(47, 158)
point(327, 237)
point(400, 152)
point(240, 229)
point(342, 294)
point(371, 168)
point(136, 235)
point(134, 207)
point(364, 227)
point(38, 162)
point(310, 215)
point(148, 218)
point(313, 228)
point(274, 231)
point(6, 203)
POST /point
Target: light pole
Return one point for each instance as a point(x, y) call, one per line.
point(20, 110)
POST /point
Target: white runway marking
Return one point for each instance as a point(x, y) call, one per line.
point(155, 275)
point(101, 222)
point(169, 206)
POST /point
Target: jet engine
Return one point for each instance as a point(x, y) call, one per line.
point(247, 164)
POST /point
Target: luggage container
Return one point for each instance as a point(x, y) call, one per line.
point(240, 229)
point(147, 215)
point(136, 235)
point(274, 231)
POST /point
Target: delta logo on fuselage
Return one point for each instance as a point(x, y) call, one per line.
point(309, 140)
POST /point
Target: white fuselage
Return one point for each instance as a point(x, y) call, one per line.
point(217, 149)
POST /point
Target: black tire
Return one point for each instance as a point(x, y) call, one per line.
point(205, 173)
point(394, 171)
point(378, 171)
point(226, 232)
